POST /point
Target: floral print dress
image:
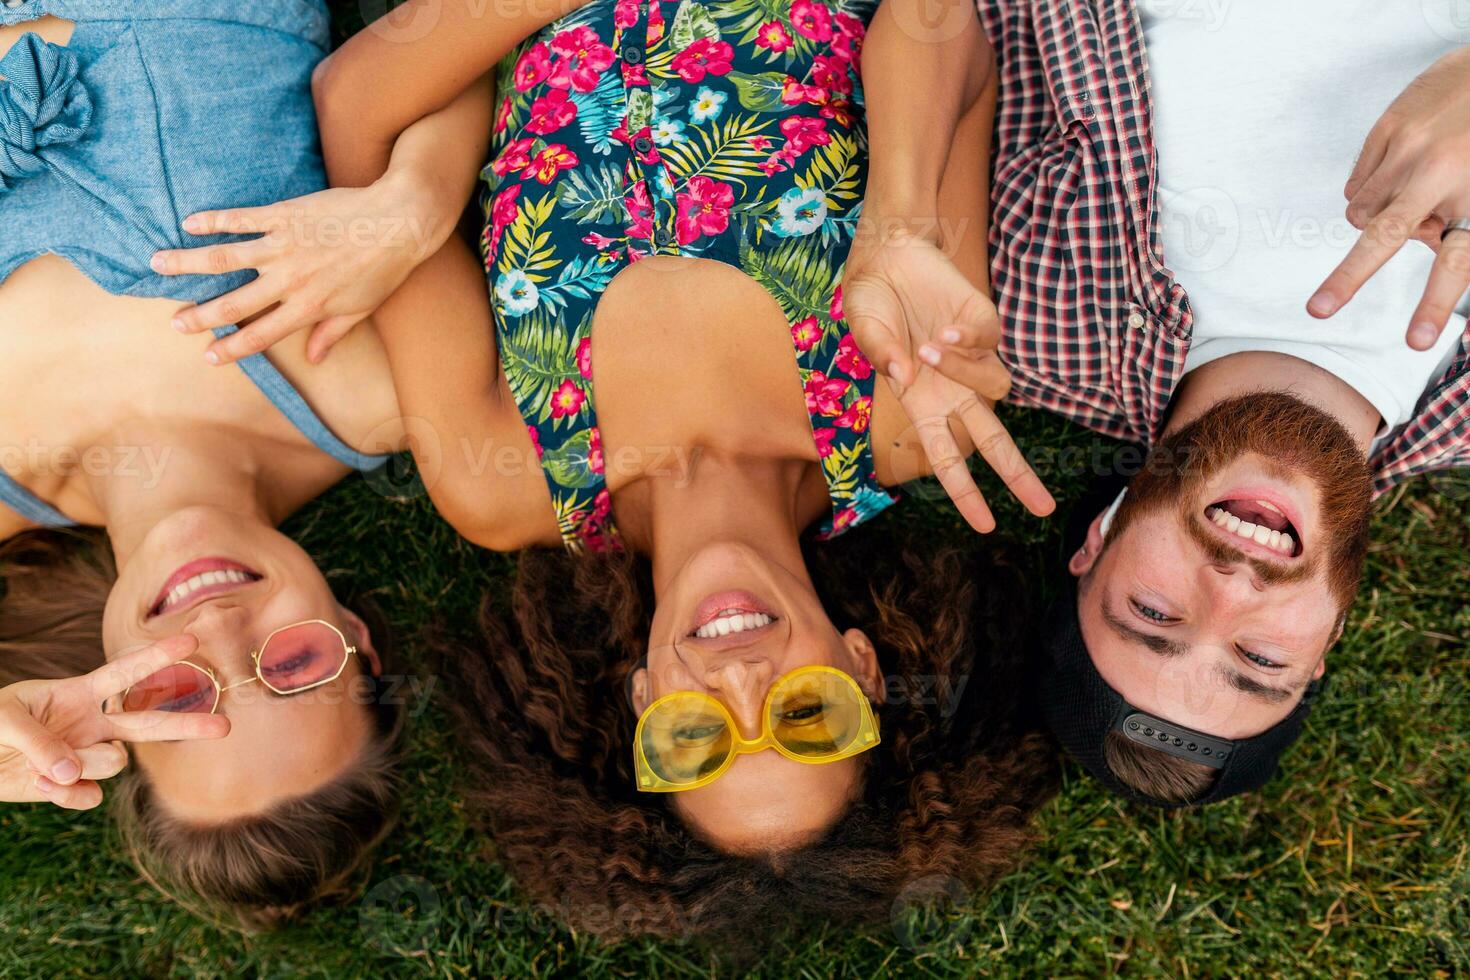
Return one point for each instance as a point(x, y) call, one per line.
point(730, 130)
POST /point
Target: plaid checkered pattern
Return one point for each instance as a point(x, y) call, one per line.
point(1096, 327)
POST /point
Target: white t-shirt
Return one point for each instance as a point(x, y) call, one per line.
point(1260, 109)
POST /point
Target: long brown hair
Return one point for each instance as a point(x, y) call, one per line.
point(547, 731)
point(250, 873)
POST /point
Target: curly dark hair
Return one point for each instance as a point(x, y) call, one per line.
point(548, 737)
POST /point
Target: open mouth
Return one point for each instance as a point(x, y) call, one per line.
point(729, 613)
point(1260, 522)
point(199, 580)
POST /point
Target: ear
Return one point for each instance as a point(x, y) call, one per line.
point(863, 661)
point(1086, 555)
point(359, 636)
point(1321, 668)
point(638, 690)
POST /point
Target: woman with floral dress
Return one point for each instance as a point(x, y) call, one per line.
point(683, 198)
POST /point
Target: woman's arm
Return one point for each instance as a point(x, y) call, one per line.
point(330, 258)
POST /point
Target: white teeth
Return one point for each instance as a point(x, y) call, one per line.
point(204, 580)
point(734, 622)
point(1259, 533)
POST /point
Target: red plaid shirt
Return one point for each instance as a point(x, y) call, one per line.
point(1096, 327)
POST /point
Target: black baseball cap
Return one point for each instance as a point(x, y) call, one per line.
point(1081, 709)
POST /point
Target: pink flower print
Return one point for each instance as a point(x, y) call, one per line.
point(803, 132)
point(771, 166)
point(583, 59)
point(502, 212)
point(811, 20)
point(795, 93)
point(655, 22)
point(536, 441)
point(857, 415)
point(703, 57)
point(551, 112)
point(773, 37)
point(549, 162)
point(640, 211)
point(824, 441)
point(595, 461)
point(835, 310)
point(805, 334)
point(515, 156)
point(533, 67)
point(759, 143)
point(853, 362)
point(842, 520)
point(839, 110)
point(625, 13)
point(601, 242)
point(503, 116)
point(704, 209)
point(635, 75)
point(823, 394)
point(831, 74)
point(849, 40)
point(584, 357)
point(567, 400)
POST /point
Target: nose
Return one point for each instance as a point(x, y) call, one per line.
point(215, 622)
point(1232, 585)
point(742, 685)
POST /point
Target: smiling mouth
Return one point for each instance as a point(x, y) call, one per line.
point(1259, 522)
point(199, 580)
point(728, 621)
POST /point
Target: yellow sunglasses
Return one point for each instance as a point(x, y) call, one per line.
point(813, 715)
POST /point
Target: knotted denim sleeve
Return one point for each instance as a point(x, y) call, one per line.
point(42, 105)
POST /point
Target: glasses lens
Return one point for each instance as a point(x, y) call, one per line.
point(178, 687)
point(685, 738)
point(816, 714)
point(300, 656)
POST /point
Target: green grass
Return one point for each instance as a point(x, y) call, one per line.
point(1353, 862)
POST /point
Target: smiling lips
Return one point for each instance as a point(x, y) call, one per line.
point(1259, 521)
point(200, 580)
point(728, 613)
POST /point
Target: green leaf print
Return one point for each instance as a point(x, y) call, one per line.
point(723, 152)
point(593, 194)
point(758, 93)
point(640, 108)
point(570, 464)
point(799, 275)
point(692, 21)
point(535, 352)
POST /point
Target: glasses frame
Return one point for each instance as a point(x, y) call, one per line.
point(866, 738)
point(219, 689)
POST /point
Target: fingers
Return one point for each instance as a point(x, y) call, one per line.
point(1381, 239)
point(44, 750)
point(326, 335)
point(233, 221)
point(227, 310)
point(85, 795)
point(986, 376)
point(103, 760)
point(997, 448)
point(119, 675)
point(166, 726)
point(260, 335)
point(953, 473)
point(874, 315)
point(1447, 283)
point(1374, 149)
point(210, 260)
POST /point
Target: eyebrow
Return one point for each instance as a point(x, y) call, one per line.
point(1165, 647)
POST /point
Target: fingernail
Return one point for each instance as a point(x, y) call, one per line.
point(191, 224)
point(893, 371)
point(950, 336)
point(65, 771)
point(45, 785)
point(156, 263)
point(1421, 336)
point(179, 325)
point(211, 357)
point(929, 355)
point(1323, 304)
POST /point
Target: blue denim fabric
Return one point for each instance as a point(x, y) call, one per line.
point(154, 110)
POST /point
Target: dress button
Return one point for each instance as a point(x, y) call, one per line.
point(632, 54)
point(664, 238)
point(643, 145)
point(1135, 321)
point(12, 4)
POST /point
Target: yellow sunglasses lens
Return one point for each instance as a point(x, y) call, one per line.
point(685, 737)
point(816, 714)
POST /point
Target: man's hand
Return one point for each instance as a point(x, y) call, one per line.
point(933, 334)
point(56, 741)
point(1412, 176)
